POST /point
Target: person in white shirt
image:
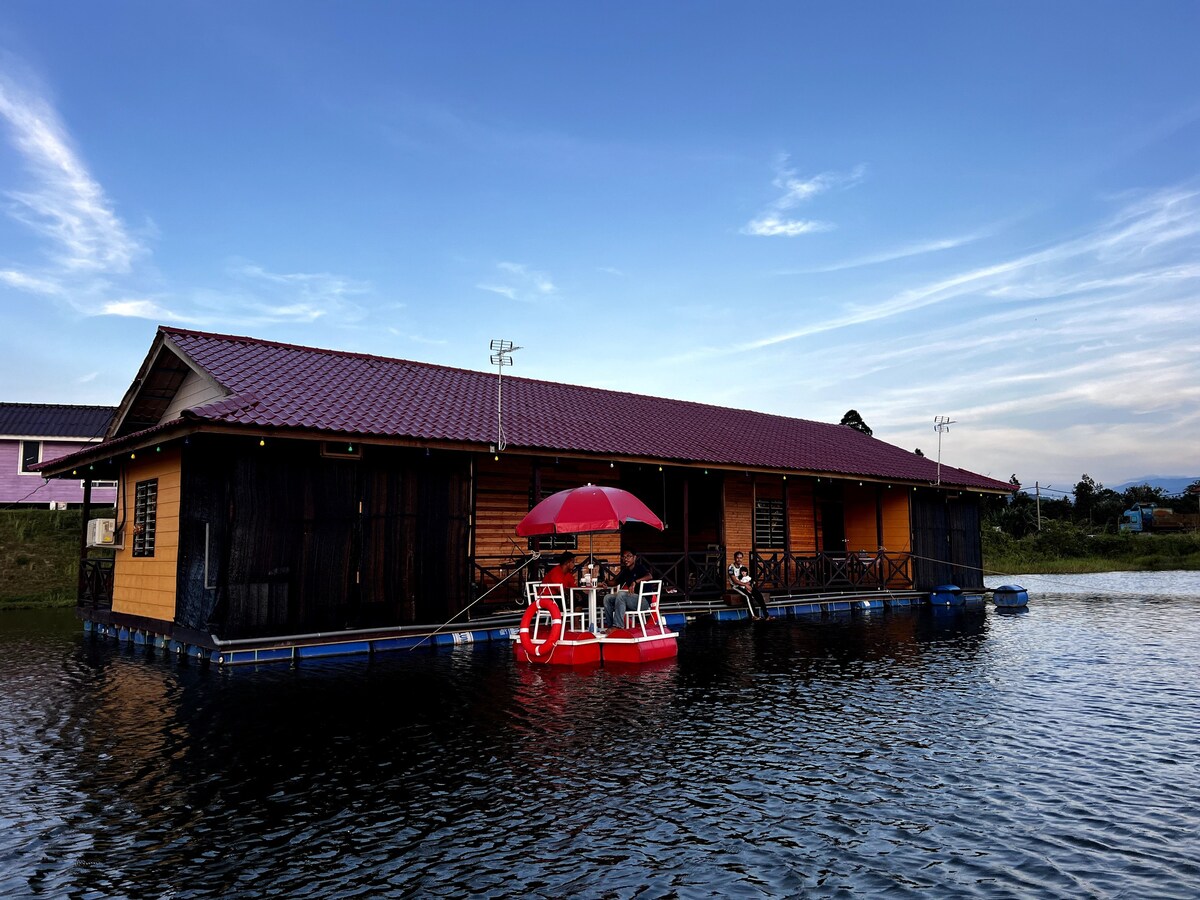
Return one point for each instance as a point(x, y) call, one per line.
point(743, 584)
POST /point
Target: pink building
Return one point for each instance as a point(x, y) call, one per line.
point(32, 433)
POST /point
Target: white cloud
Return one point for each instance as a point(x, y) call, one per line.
point(519, 282)
point(258, 296)
point(1086, 263)
point(64, 204)
point(92, 261)
point(796, 190)
point(886, 256)
point(31, 283)
point(314, 284)
point(510, 293)
point(140, 309)
point(772, 226)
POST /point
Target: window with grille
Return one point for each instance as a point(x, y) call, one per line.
point(145, 517)
point(551, 541)
point(768, 524)
point(31, 454)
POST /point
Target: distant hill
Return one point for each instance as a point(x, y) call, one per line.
point(1172, 484)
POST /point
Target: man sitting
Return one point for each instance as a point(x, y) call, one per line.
point(743, 584)
point(633, 572)
point(563, 573)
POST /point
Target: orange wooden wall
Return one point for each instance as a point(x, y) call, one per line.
point(897, 528)
point(862, 525)
point(739, 514)
point(145, 586)
point(802, 521)
point(502, 495)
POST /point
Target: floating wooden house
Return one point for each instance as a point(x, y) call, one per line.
point(283, 500)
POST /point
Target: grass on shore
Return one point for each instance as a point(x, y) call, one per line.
point(39, 557)
point(1065, 549)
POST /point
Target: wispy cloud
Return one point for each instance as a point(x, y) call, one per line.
point(142, 309)
point(886, 256)
point(64, 203)
point(773, 221)
point(774, 226)
point(300, 296)
point(517, 281)
point(92, 262)
point(32, 283)
point(1086, 263)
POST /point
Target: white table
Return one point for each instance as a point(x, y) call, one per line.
point(592, 594)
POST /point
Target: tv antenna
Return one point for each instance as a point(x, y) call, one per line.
point(940, 424)
point(501, 356)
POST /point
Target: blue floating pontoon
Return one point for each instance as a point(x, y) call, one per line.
point(1010, 595)
point(946, 595)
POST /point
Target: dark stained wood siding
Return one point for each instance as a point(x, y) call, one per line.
point(946, 541)
point(300, 543)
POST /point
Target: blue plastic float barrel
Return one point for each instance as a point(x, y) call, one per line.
point(1010, 595)
point(946, 595)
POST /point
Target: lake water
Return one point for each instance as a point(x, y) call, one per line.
point(1050, 752)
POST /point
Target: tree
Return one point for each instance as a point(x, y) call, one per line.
point(1085, 497)
point(1019, 518)
point(1143, 493)
point(853, 420)
point(1107, 507)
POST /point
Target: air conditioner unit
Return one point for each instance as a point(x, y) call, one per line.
point(102, 533)
point(58, 504)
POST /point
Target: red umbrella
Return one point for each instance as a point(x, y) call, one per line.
point(586, 510)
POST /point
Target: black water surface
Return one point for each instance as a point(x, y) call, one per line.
point(978, 753)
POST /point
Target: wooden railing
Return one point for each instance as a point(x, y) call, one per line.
point(95, 584)
point(783, 571)
point(700, 575)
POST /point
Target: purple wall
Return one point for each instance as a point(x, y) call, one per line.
point(27, 487)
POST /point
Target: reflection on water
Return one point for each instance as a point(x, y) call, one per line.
point(954, 753)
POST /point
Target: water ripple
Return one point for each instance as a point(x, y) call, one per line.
point(968, 754)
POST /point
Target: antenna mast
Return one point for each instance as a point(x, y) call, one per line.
point(501, 356)
point(940, 424)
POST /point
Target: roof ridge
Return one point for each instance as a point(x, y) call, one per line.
point(284, 345)
point(8, 403)
point(353, 354)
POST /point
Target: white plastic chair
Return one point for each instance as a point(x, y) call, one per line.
point(572, 620)
point(647, 609)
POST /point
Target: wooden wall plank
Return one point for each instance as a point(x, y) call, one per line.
point(145, 586)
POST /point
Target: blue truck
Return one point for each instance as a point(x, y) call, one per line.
point(1148, 518)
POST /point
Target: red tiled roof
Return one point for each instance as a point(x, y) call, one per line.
point(284, 386)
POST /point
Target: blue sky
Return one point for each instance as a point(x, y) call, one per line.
point(985, 211)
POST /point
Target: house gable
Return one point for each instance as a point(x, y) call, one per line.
point(166, 384)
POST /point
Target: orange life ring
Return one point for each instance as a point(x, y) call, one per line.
point(532, 650)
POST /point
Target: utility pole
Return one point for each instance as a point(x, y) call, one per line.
point(1037, 490)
